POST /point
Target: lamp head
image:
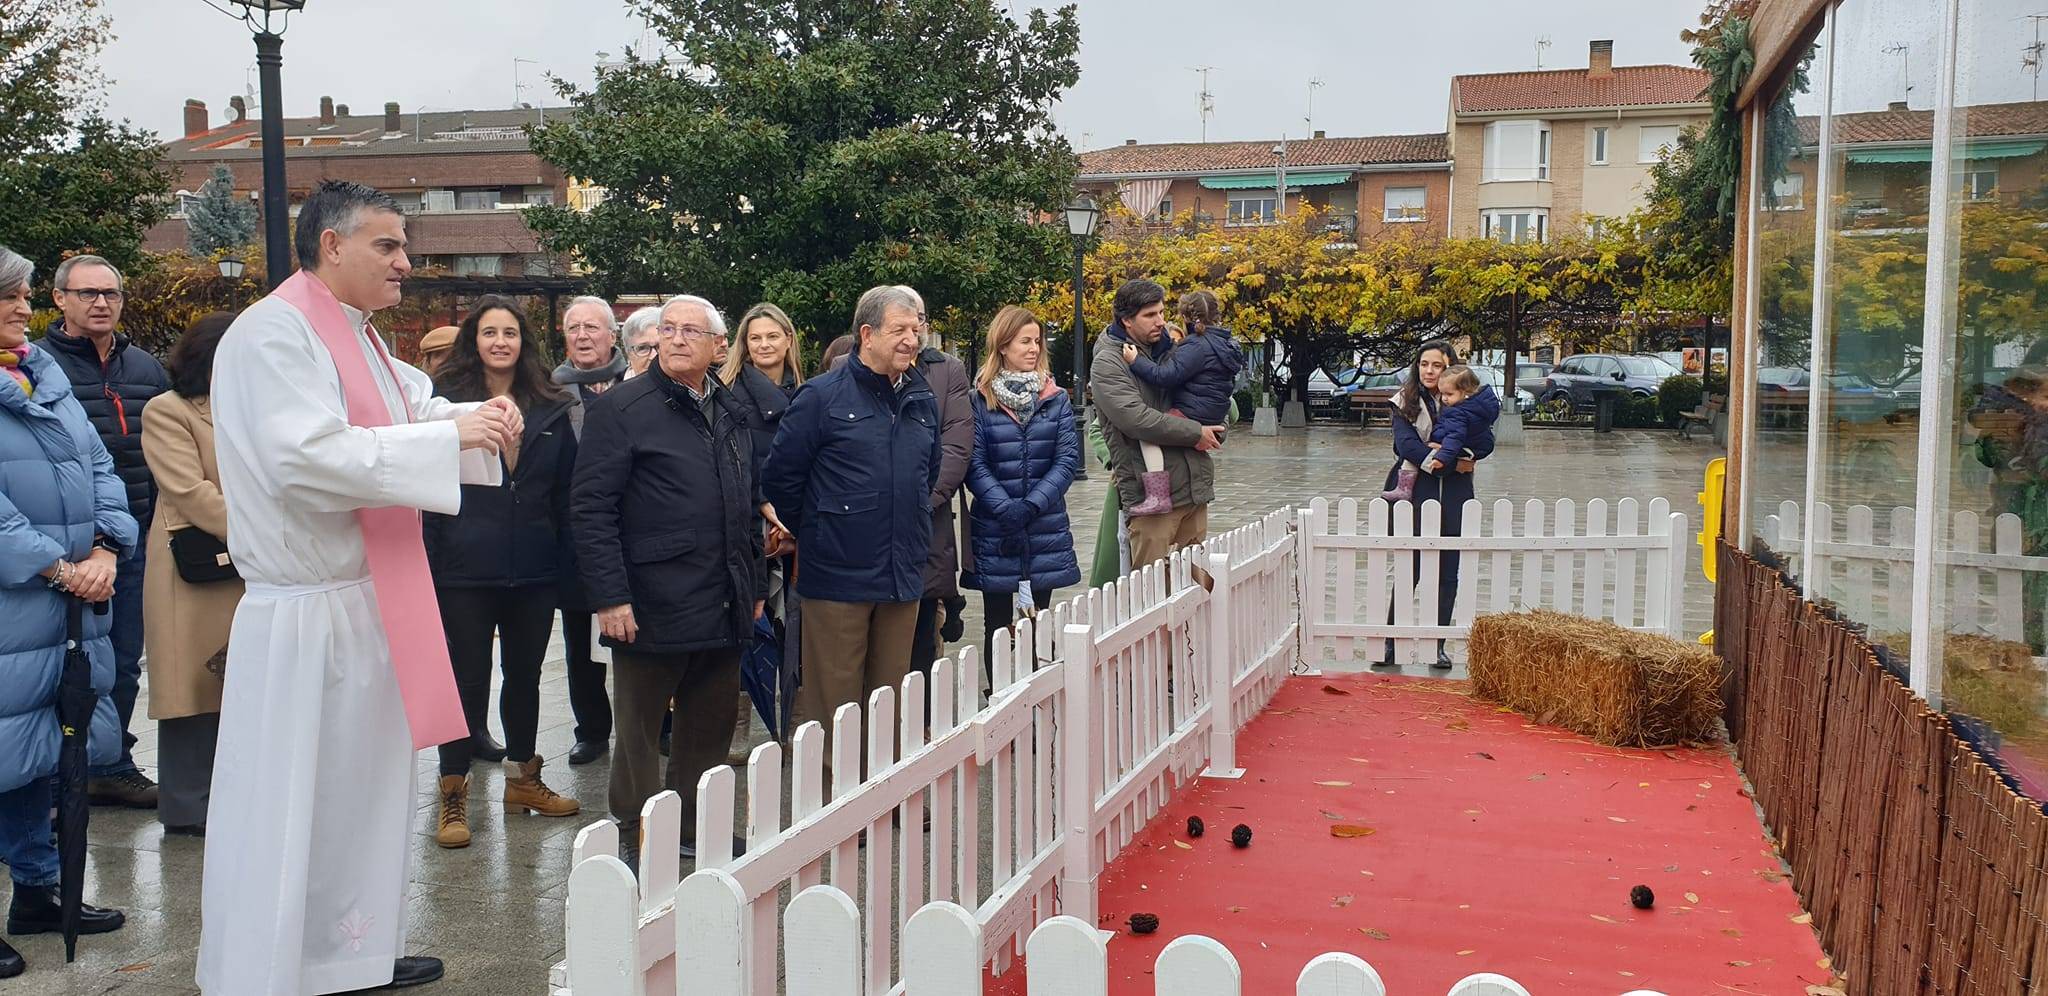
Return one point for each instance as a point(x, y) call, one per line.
point(1082, 215)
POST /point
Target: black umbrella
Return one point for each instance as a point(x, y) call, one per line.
point(75, 700)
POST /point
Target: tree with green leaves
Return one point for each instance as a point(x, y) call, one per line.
point(72, 181)
point(219, 221)
point(800, 152)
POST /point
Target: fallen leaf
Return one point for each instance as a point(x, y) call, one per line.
point(1334, 690)
point(1537, 777)
point(1738, 964)
point(1334, 785)
point(1642, 785)
point(1603, 919)
point(1237, 909)
point(1465, 952)
point(1617, 819)
point(1464, 906)
point(1341, 901)
point(1731, 931)
point(1352, 830)
point(1457, 724)
point(1358, 759)
point(140, 966)
point(1671, 869)
point(1826, 964)
point(1183, 845)
point(1706, 785)
point(1693, 898)
point(1329, 815)
point(1375, 933)
point(1483, 754)
point(1803, 918)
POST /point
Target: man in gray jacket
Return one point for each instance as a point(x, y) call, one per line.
point(1131, 412)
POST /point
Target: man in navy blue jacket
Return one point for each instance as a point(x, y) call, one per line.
point(851, 473)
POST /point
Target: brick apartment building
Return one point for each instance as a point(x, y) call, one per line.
point(1880, 180)
point(1367, 187)
point(1550, 151)
point(461, 177)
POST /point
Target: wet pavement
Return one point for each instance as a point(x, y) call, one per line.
point(494, 911)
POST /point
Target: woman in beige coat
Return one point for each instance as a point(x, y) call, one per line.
point(185, 625)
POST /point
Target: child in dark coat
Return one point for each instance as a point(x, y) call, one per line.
point(1201, 372)
point(1465, 415)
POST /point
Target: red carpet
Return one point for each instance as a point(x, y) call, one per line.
point(1496, 846)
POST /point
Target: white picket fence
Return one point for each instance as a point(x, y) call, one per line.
point(1169, 668)
point(1868, 570)
point(1074, 760)
point(1382, 583)
point(944, 945)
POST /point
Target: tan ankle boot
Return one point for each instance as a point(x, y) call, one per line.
point(526, 793)
point(454, 827)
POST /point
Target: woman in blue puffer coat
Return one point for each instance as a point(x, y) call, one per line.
point(63, 522)
point(1026, 451)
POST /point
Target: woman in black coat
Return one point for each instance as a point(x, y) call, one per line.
point(499, 564)
point(1414, 413)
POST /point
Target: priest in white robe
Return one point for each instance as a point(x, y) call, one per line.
point(328, 449)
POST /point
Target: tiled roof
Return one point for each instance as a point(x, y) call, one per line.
point(363, 134)
point(1561, 89)
point(1195, 157)
point(1980, 121)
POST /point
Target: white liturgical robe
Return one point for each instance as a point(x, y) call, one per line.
point(314, 781)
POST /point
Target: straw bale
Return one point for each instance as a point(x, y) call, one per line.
point(1618, 686)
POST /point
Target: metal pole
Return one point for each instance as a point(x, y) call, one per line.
point(277, 249)
point(1080, 360)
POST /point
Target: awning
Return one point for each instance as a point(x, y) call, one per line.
point(1267, 180)
point(1972, 152)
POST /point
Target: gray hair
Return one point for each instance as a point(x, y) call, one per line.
point(336, 205)
point(639, 323)
point(63, 280)
point(15, 270)
point(875, 304)
point(711, 315)
point(611, 318)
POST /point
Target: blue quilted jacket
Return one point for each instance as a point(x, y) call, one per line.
point(58, 490)
point(1034, 462)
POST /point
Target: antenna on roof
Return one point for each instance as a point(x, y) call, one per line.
point(1314, 83)
point(1904, 52)
point(1542, 42)
point(2030, 61)
point(1205, 100)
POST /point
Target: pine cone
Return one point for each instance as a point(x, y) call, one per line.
point(1195, 827)
point(1641, 897)
point(1144, 923)
point(1241, 835)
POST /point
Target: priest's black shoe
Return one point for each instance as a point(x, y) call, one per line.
point(414, 971)
point(35, 911)
point(11, 962)
point(484, 748)
point(587, 751)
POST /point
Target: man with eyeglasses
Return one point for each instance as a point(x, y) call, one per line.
point(113, 378)
point(636, 337)
point(595, 365)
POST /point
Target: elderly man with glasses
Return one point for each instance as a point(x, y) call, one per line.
point(113, 378)
point(669, 538)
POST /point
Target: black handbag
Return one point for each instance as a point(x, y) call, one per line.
point(202, 557)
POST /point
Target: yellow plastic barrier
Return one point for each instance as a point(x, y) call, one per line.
point(1710, 523)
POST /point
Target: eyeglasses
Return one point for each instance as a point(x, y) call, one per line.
point(643, 349)
point(587, 328)
point(107, 294)
point(679, 331)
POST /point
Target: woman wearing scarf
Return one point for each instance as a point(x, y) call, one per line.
point(1414, 414)
point(66, 519)
point(1026, 452)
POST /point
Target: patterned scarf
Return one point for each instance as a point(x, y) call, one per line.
point(12, 361)
point(1018, 391)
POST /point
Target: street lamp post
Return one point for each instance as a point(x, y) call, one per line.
point(1082, 215)
point(267, 18)
point(231, 268)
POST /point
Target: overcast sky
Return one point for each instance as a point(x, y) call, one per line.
point(1385, 65)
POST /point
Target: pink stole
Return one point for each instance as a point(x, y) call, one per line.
point(392, 542)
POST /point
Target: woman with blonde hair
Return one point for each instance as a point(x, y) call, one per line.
point(1026, 452)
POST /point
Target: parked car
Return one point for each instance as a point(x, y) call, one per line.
point(1580, 379)
point(1784, 392)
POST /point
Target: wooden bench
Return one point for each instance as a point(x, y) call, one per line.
point(1703, 415)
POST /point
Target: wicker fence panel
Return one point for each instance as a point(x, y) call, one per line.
point(1924, 872)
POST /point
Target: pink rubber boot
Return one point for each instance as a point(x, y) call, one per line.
point(1404, 486)
point(1158, 494)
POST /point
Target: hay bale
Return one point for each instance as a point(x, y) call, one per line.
point(1989, 679)
point(1618, 686)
